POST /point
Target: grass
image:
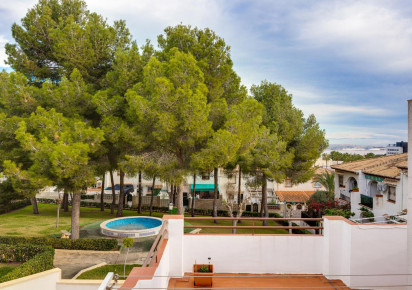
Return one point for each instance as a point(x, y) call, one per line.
point(23, 222)
point(101, 272)
point(7, 267)
point(238, 231)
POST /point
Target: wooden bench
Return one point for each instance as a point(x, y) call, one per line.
point(195, 231)
point(65, 234)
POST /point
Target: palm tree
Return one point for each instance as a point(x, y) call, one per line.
point(327, 179)
point(326, 157)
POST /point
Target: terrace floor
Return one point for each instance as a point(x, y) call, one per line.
point(255, 281)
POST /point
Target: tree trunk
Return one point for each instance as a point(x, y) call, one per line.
point(234, 222)
point(193, 195)
point(139, 206)
point(121, 195)
point(174, 194)
point(180, 199)
point(113, 193)
point(75, 216)
point(152, 197)
point(239, 193)
point(58, 212)
point(102, 194)
point(33, 201)
point(214, 214)
point(65, 201)
point(265, 199)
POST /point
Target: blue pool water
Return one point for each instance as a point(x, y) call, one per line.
point(139, 223)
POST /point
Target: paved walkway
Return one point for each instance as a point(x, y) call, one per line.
point(72, 261)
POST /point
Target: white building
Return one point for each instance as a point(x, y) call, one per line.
point(378, 184)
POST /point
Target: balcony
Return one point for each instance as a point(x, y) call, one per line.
point(366, 201)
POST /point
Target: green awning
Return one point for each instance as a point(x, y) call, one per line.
point(204, 187)
point(373, 177)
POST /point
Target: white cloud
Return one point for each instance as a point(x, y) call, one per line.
point(3, 55)
point(370, 34)
point(328, 112)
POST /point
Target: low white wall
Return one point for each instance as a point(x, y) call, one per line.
point(160, 279)
point(380, 251)
point(69, 284)
point(40, 281)
point(254, 254)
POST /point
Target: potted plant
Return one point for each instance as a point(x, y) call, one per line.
point(203, 275)
point(355, 189)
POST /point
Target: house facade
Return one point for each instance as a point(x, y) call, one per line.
point(377, 184)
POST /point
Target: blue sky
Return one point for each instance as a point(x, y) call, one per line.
point(347, 62)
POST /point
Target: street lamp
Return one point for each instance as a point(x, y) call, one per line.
point(170, 207)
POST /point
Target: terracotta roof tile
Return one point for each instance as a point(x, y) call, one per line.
point(294, 196)
point(386, 166)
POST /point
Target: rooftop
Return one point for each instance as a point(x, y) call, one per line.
point(263, 281)
point(294, 196)
point(386, 166)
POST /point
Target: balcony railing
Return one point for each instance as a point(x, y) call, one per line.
point(287, 221)
point(366, 201)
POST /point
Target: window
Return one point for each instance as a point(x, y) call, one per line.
point(340, 180)
point(392, 193)
point(316, 184)
point(205, 176)
point(288, 182)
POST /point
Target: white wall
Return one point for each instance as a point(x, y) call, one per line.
point(346, 251)
point(40, 281)
point(68, 284)
point(254, 254)
point(160, 279)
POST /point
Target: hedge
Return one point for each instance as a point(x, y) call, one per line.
point(35, 259)
point(198, 211)
point(5, 208)
point(80, 244)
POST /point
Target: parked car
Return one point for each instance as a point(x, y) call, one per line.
point(128, 188)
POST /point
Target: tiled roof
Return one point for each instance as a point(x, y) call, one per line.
point(386, 166)
point(294, 196)
point(403, 165)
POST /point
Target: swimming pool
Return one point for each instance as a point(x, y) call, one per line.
point(132, 227)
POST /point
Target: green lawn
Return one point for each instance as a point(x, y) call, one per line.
point(7, 267)
point(238, 231)
point(101, 272)
point(23, 222)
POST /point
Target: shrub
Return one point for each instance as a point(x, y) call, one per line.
point(35, 259)
point(80, 244)
point(341, 212)
point(14, 205)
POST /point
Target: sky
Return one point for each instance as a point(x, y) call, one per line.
point(347, 62)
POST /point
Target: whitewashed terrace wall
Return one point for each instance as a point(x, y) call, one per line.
point(346, 251)
point(255, 254)
point(160, 279)
point(40, 281)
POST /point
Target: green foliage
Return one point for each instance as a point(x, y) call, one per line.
point(339, 212)
point(56, 36)
point(128, 242)
point(319, 197)
point(101, 272)
point(366, 213)
point(346, 157)
point(80, 244)
point(327, 179)
point(35, 259)
point(204, 269)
